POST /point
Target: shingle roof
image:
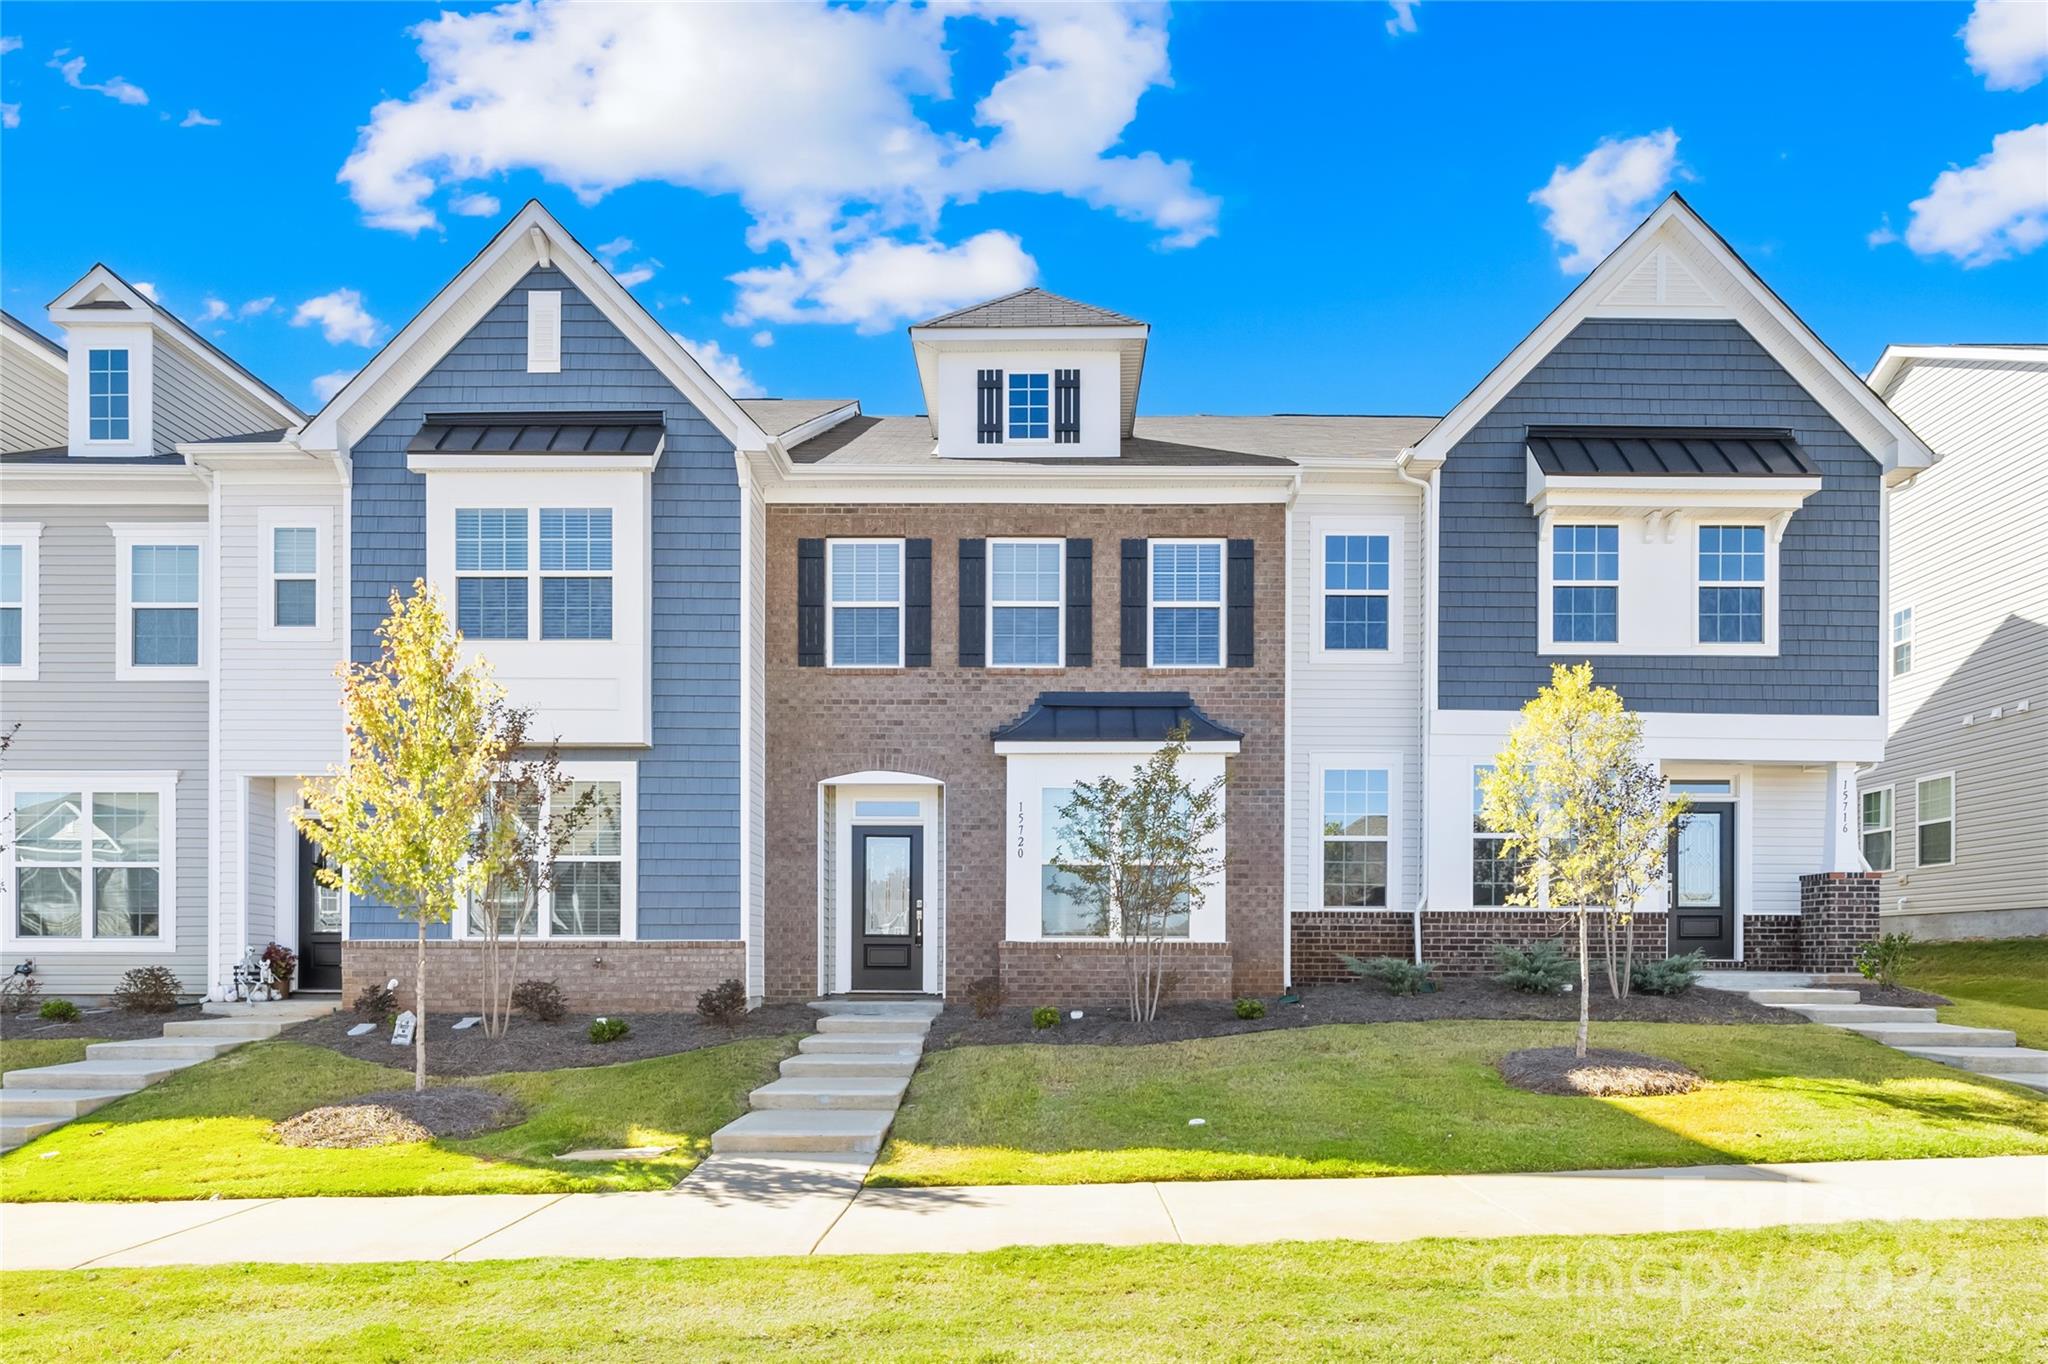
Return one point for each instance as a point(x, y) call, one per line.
point(193, 336)
point(535, 433)
point(1183, 442)
point(1032, 307)
point(1112, 717)
point(269, 437)
point(1598, 451)
point(779, 415)
point(64, 456)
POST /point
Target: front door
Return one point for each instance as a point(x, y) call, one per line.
point(888, 909)
point(1703, 881)
point(319, 924)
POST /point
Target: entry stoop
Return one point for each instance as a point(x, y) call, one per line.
point(839, 1093)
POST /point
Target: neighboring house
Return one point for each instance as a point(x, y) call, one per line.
point(1953, 811)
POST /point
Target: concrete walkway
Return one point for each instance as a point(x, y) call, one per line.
point(1912, 1029)
point(762, 1205)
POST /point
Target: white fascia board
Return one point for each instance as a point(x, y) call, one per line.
point(1674, 736)
point(1625, 496)
point(101, 485)
point(1896, 358)
point(1005, 747)
point(38, 346)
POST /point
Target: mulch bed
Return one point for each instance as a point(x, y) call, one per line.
point(1599, 1074)
point(400, 1115)
point(100, 1022)
point(1898, 995)
point(528, 1045)
point(1475, 998)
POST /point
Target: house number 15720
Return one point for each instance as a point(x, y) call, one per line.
point(1020, 829)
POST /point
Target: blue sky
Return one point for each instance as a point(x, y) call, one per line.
point(1319, 208)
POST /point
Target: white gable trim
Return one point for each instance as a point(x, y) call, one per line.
point(1686, 260)
point(1896, 358)
point(532, 238)
point(37, 345)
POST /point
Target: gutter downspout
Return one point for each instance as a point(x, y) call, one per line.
point(1428, 674)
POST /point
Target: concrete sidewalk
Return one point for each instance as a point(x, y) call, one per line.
point(740, 1205)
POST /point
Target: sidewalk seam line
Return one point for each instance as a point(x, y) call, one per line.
point(1160, 1194)
point(858, 1190)
point(209, 1222)
point(507, 1227)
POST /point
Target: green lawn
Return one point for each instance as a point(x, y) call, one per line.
point(20, 1053)
point(206, 1130)
point(1993, 984)
point(1424, 1098)
point(1862, 1292)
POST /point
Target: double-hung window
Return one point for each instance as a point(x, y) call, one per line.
point(1356, 825)
point(1031, 406)
point(294, 576)
point(1902, 641)
point(865, 615)
point(1877, 829)
point(490, 568)
point(1731, 585)
point(1357, 589)
point(1493, 869)
point(106, 374)
point(587, 897)
point(576, 573)
point(1187, 603)
point(1062, 913)
point(18, 601)
point(1026, 583)
point(91, 862)
point(1585, 576)
point(1934, 800)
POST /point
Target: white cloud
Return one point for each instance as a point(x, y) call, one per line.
point(474, 205)
point(213, 310)
point(10, 115)
point(1995, 208)
point(1403, 20)
point(882, 281)
point(805, 113)
point(615, 248)
point(9, 44)
point(341, 316)
point(763, 338)
point(147, 290)
point(118, 88)
point(637, 274)
point(1884, 234)
point(731, 375)
point(325, 386)
point(256, 307)
point(194, 119)
point(2007, 43)
point(1596, 203)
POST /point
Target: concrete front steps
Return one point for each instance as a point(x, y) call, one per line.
point(43, 1098)
point(1916, 1031)
point(839, 1093)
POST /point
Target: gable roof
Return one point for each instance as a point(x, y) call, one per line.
point(1675, 266)
point(1032, 307)
point(43, 345)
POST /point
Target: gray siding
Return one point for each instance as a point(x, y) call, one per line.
point(1696, 373)
point(194, 403)
point(32, 398)
point(689, 795)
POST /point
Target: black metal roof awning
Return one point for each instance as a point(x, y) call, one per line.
point(539, 433)
point(1112, 717)
point(1666, 452)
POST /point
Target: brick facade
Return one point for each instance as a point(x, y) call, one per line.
point(1837, 915)
point(1770, 942)
point(665, 976)
point(1065, 973)
point(1455, 942)
point(936, 721)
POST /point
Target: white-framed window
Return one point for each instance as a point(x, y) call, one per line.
point(595, 893)
point(1062, 914)
point(491, 558)
point(1934, 815)
point(1186, 603)
point(1731, 584)
point(864, 610)
point(1358, 575)
point(1030, 406)
point(1585, 578)
point(1027, 584)
point(1902, 641)
point(106, 389)
point(1493, 869)
point(496, 583)
point(294, 547)
point(20, 594)
point(161, 591)
point(576, 573)
point(91, 862)
point(1877, 828)
point(1356, 814)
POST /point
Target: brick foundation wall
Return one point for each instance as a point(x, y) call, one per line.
point(1070, 973)
point(935, 722)
point(1770, 942)
point(1322, 936)
point(1837, 914)
point(1455, 942)
point(663, 976)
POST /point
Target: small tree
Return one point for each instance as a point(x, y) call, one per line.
point(1584, 817)
point(398, 821)
point(1141, 855)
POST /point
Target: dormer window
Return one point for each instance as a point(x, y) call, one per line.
point(1031, 406)
point(107, 394)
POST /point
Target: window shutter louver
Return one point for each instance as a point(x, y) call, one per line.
point(1080, 603)
point(1133, 599)
point(973, 603)
point(1066, 406)
point(988, 429)
point(917, 603)
point(810, 603)
point(1238, 604)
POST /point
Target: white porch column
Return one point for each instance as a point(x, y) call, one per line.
point(1842, 847)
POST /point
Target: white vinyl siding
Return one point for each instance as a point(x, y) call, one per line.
point(189, 401)
point(33, 417)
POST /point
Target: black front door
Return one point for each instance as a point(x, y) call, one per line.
point(888, 909)
point(319, 925)
point(1703, 881)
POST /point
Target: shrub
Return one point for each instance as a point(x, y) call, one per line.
point(1671, 976)
point(1399, 975)
point(724, 1004)
point(282, 961)
point(147, 990)
point(539, 1000)
point(1251, 1008)
point(608, 1029)
point(377, 1000)
point(18, 993)
point(985, 997)
point(1885, 960)
point(1045, 1016)
point(1541, 968)
point(59, 1011)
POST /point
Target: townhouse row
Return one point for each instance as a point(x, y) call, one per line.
point(833, 674)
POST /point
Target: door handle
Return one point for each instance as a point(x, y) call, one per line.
point(917, 935)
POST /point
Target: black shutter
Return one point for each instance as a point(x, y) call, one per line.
point(1080, 603)
point(988, 407)
point(810, 603)
point(917, 603)
point(1134, 590)
point(973, 603)
point(1238, 604)
point(1066, 406)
